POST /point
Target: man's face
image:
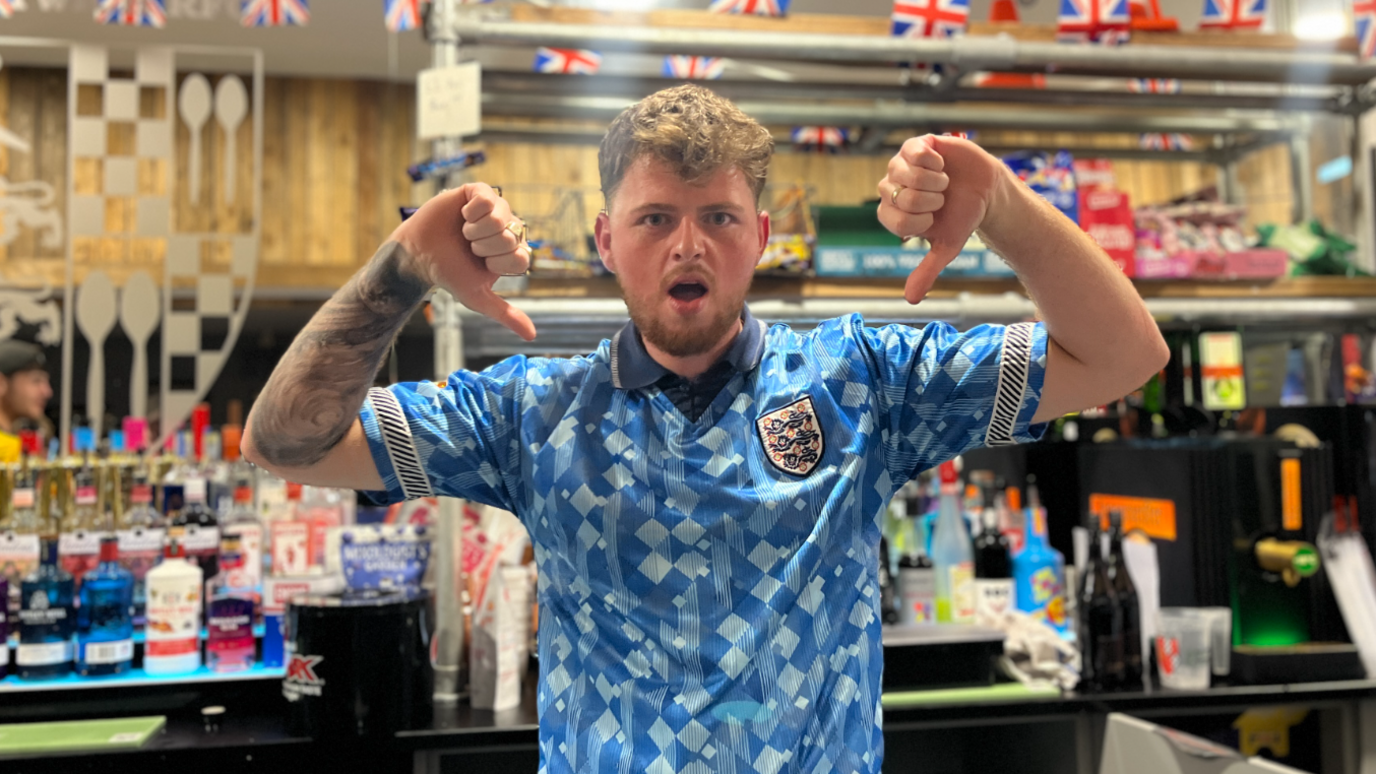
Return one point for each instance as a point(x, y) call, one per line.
point(25, 394)
point(684, 254)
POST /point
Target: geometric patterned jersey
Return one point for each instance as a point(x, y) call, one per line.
point(708, 590)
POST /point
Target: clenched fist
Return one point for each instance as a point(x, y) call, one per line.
point(462, 241)
point(938, 188)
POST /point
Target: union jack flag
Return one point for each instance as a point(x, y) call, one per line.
point(1364, 13)
point(1171, 141)
point(1233, 15)
point(822, 139)
point(1156, 85)
point(8, 7)
point(569, 61)
point(132, 13)
point(1099, 21)
point(274, 13)
point(701, 68)
point(402, 15)
point(750, 7)
point(929, 18)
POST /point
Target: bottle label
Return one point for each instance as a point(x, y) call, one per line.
point(198, 539)
point(177, 647)
point(85, 495)
point(917, 595)
point(174, 617)
point(44, 653)
point(962, 577)
point(251, 546)
point(37, 613)
point(142, 494)
point(78, 543)
point(993, 598)
point(115, 652)
point(290, 547)
point(230, 618)
point(140, 540)
point(23, 498)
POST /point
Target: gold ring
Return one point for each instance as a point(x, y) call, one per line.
point(893, 197)
point(518, 232)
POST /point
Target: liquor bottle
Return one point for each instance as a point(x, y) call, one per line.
point(322, 509)
point(47, 619)
point(1100, 631)
point(916, 577)
point(1129, 605)
point(105, 622)
point(953, 555)
point(230, 609)
point(174, 614)
point(1039, 570)
point(994, 589)
point(888, 605)
point(202, 532)
point(85, 512)
point(141, 538)
point(242, 522)
point(78, 501)
point(290, 535)
point(24, 514)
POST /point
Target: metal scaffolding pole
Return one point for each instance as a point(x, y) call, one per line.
point(967, 53)
point(450, 685)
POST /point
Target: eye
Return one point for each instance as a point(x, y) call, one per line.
point(655, 219)
point(721, 218)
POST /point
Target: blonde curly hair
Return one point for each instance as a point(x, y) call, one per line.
point(692, 129)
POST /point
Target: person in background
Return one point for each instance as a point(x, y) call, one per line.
point(703, 491)
point(24, 392)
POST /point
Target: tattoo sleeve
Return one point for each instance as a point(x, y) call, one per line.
point(314, 394)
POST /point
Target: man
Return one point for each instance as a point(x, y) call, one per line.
point(24, 392)
point(703, 492)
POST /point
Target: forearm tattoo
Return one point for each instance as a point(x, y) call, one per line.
point(314, 394)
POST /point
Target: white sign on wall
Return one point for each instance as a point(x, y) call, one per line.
point(449, 101)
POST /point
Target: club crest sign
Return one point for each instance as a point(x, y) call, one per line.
point(792, 437)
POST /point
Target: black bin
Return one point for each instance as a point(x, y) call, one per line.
point(358, 664)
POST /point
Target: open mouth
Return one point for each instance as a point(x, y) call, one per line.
point(688, 291)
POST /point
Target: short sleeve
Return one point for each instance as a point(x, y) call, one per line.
point(945, 392)
point(456, 438)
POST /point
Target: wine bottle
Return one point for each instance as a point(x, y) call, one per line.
point(1129, 606)
point(1100, 624)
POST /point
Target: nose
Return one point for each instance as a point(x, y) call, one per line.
point(687, 241)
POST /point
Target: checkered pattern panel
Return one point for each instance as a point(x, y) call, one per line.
point(703, 609)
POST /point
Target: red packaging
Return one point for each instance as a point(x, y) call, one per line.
point(1106, 216)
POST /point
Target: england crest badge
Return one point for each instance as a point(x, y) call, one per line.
point(792, 437)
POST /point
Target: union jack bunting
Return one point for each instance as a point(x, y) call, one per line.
point(1156, 85)
point(274, 13)
point(929, 18)
point(750, 7)
point(402, 15)
point(8, 7)
point(822, 139)
point(132, 13)
point(1096, 21)
point(569, 61)
point(1364, 14)
point(1171, 141)
point(701, 68)
point(1233, 15)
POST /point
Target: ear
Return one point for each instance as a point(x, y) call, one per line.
point(764, 230)
point(602, 230)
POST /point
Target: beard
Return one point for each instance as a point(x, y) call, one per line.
point(679, 337)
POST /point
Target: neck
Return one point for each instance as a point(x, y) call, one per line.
point(693, 366)
point(6, 420)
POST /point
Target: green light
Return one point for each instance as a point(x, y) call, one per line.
point(1305, 562)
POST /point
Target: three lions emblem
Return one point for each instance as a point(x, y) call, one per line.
point(792, 437)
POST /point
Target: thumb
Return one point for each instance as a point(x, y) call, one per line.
point(494, 307)
point(922, 278)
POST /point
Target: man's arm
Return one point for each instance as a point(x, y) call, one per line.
point(304, 425)
point(1104, 342)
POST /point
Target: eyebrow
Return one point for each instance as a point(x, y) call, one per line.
point(660, 206)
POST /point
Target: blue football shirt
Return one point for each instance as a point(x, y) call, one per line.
point(709, 590)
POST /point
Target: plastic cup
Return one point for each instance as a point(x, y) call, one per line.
point(1220, 638)
point(1182, 648)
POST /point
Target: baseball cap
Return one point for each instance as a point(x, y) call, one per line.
point(16, 356)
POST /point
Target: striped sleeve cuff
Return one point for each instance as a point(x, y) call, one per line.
point(393, 447)
point(1022, 372)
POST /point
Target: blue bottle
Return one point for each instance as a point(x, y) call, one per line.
point(105, 621)
point(1039, 570)
point(47, 618)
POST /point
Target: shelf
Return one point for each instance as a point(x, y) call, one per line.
point(137, 678)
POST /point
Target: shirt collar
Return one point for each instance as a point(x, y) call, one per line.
point(634, 369)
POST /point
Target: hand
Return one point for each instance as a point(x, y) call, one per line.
point(461, 243)
point(945, 185)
